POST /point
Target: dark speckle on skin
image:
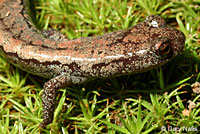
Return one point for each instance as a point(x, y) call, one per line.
point(49, 54)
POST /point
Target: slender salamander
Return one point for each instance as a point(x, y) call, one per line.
point(145, 46)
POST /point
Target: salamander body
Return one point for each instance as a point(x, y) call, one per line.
point(144, 46)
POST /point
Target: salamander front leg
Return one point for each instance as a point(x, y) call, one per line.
point(49, 97)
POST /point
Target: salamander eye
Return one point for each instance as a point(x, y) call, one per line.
point(164, 49)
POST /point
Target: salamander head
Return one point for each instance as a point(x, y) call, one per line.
point(169, 41)
point(154, 43)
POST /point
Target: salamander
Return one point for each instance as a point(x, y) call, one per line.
point(140, 48)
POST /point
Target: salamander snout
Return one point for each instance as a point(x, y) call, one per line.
point(178, 41)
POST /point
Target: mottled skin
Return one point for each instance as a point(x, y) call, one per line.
point(144, 46)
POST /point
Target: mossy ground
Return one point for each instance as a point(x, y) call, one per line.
point(142, 103)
